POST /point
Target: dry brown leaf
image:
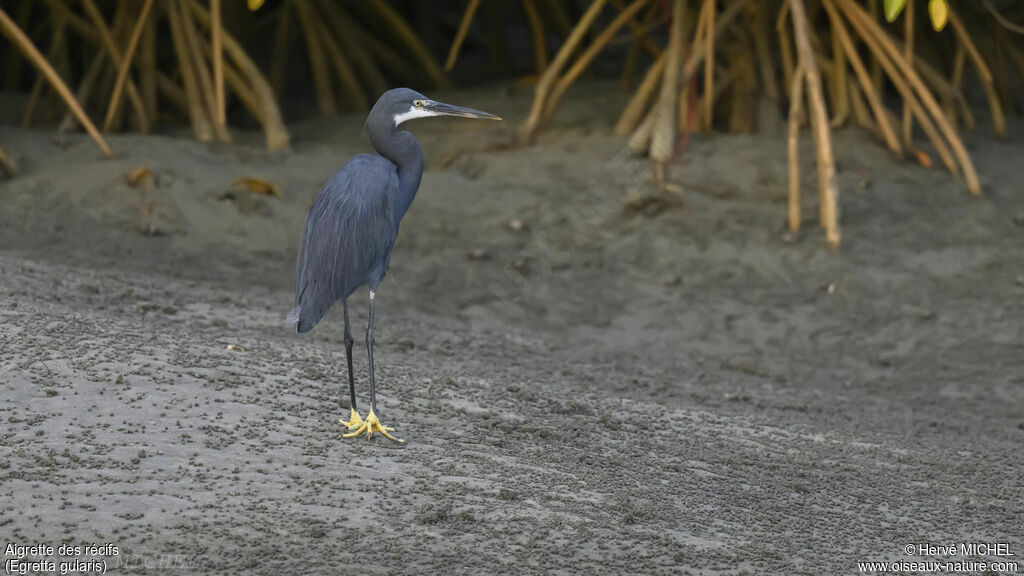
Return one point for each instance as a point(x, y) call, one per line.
point(256, 186)
point(923, 158)
point(137, 176)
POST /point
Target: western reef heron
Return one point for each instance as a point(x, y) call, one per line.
point(352, 226)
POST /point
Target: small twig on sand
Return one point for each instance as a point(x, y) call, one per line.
point(142, 180)
point(7, 165)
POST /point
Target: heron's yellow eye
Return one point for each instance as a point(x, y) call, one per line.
point(417, 103)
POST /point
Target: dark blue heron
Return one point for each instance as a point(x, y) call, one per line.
point(352, 225)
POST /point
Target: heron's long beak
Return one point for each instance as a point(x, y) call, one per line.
point(442, 109)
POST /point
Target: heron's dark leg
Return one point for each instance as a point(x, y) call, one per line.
point(372, 424)
point(369, 353)
point(348, 356)
point(355, 421)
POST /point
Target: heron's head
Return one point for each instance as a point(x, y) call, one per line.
point(402, 104)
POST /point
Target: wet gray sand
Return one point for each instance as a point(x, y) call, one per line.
point(580, 391)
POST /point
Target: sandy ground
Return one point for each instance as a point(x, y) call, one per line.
point(591, 392)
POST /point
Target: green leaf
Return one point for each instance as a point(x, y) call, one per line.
point(893, 8)
point(939, 11)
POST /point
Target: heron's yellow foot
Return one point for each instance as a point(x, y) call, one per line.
point(372, 425)
point(354, 420)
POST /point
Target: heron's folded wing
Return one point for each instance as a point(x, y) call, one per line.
point(348, 237)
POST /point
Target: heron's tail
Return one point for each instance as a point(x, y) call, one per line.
point(303, 322)
point(293, 317)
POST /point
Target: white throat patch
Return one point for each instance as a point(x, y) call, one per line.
point(413, 113)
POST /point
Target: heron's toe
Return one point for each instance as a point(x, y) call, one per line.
point(354, 420)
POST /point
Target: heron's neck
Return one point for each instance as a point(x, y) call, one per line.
point(402, 148)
